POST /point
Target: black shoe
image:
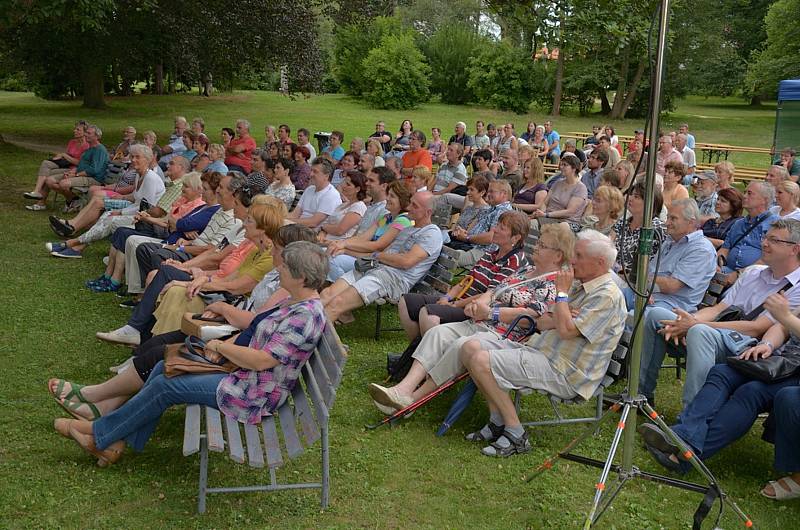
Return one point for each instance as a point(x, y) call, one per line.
point(129, 304)
point(655, 437)
point(680, 467)
point(62, 228)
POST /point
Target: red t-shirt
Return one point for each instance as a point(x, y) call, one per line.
point(242, 159)
point(420, 157)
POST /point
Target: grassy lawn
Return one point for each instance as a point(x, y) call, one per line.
point(403, 477)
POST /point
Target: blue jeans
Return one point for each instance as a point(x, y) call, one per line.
point(654, 347)
point(787, 436)
point(136, 420)
point(339, 265)
point(726, 407)
point(704, 349)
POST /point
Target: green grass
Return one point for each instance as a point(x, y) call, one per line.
point(402, 477)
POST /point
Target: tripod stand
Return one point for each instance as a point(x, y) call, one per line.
point(603, 497)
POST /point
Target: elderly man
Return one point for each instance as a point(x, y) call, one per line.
point(512, 172)
point(689, 159)
point(704, 338)
point(686, 263)
point(404, 262)
point(787, 160)
point(320, 199)
point(461, 137)
point(239, 152)
point(595, 166)
point(470, 248)
point(571, 146)
point(742, 246)
point(416, 155)
point(553, 147)
point(705, 193)
point(90, 171)
point(666, 153)
point(175, 145)
point(568, 358)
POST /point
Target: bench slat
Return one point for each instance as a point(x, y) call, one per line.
point(216, 440)
point(328, 358)
point(316, 395)
point(293, 446)
point(272, 443)
point(303, 416)
point(191, 430)
point(333, 344)
point(254, 453)
point(234, 440)
point(321, 376)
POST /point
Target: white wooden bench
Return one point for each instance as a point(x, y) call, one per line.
point(316, 390)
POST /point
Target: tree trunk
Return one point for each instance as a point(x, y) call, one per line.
point(755, 101)
point(92, 77)
point(621, 84)
point(605, 106)
point(559, 88)
point(632, 89)
point(159, 74)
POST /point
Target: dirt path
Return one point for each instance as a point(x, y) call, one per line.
point(32, 146)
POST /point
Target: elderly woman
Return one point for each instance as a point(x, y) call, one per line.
point(420, 312)
point(201, 159)
point(533, 193)
point(376, 238)
point(375, 149)
point(216, 156)
point(607, 205)
point(54, 168)
point(102, 223)
point(436, 360)
point(787, 197)
point(282, 186)
point(189, 213)
point(237, 273)
point(725, 172)
point(301, 174)
point(567, 199)
point(538, 142)
point(344, 220)
point(729, 209)
point(92, 401)
point(269, 354)
point(626, 231)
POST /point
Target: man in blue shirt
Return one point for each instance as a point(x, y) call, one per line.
point(742, 246)
point(554, 148)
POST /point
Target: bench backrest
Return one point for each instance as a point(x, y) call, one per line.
point(439, 277)
point(441, 213)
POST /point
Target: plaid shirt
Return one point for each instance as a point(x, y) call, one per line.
point(290, 335)
point(583, 360)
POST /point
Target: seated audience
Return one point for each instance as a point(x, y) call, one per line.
point(725, 172)
point(52, 170)
point(102, 222)
point(567, 198)
point(702, 335)
point(471, 219)
point(344, 220)
point(383, 138)
point(400, 266)
point(375, 149)
point(436, 146)
point(239, 151)
point(787, 159)
point(303, 140)
point(705, 189)
point(378, 235)
point(626, 232)
point(451, 178)
point(533, 192)
point(436, 358)
point(320, 198)
point(595, 167)
point(176, 146)
point(787, 199)
point(422, 179)
point(348, 162)
point(416, 155)
point(553, 143)
point(334, 148)
point(272, 349)
point(282, 187)
point(301, 174)
point(512, 172)
point(606, 209)
point(729, 210)
point(666, 153)
point(775, 175)
point(90, 171)
point(472, 243)
point(216, 155)
point(571, 146)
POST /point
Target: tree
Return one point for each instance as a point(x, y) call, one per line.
point(449, 51)
point(352, 44)
point(427, 17)
point(501, 76)
point(778, 59)
point(396, 74)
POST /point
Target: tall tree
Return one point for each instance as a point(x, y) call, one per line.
point(778, 59)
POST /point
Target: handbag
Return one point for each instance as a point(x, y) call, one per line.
point(364, 265)
point(62, 163)
point(191, 358)
point(776, 367)
point(193, 324)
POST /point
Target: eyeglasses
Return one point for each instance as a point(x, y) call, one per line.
point(774, 240)
point(540, 246)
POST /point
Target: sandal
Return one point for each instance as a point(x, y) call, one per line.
point(67, 402)
point(516, 445)
point(105, 457)
point(477, 436)
point(783, 493)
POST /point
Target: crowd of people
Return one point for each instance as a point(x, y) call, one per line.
point(277, 239)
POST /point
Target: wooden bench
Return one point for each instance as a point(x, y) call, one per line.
point(436, 281)
point(316, 390)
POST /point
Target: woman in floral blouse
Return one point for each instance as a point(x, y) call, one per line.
point(626, 231)
point(270, 354)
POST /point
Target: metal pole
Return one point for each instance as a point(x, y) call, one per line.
point(646, 233)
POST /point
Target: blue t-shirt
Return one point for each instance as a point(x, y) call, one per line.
point(337, 153)
point(553, 137)
point(748, 250)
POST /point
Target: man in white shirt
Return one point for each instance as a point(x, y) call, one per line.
point(320, 198)
point(302, 139)
point(689, 159)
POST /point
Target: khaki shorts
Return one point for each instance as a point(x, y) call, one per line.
point(380, 282)
point(523, 367)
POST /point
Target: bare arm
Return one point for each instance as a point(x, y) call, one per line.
point(403, 260)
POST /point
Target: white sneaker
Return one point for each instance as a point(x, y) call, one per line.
point(35, 207)
point(105, 260)
point(120, 337)
point(118, 369)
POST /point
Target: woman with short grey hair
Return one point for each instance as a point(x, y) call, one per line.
point(308, 261)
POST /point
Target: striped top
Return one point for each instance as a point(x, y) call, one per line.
point(289, 334)
point(218, 227)
point(583, 360)
point(493, 268)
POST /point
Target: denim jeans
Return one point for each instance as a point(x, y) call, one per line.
point(136, 420)
point(339, 265)
point(654, 347)
point(725, 408)
point(704, 349)
point(787, 437)
point(142, 318)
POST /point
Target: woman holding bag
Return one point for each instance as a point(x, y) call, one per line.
point(269, 354)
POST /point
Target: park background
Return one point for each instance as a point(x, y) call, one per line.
point(723, 70)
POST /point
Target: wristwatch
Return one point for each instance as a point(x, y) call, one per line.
point(561, 296)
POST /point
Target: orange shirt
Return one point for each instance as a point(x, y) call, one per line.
point(420, 157)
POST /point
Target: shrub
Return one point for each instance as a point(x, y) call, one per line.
point(449, 51)
point(396, 74)
point(352, 43)
point(501, 77)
